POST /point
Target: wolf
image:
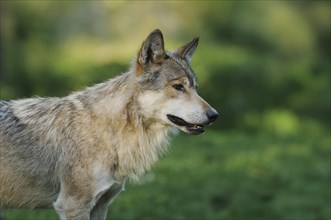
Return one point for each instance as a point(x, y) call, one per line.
point(75, 153)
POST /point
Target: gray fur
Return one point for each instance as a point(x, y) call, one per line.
point(75, 153)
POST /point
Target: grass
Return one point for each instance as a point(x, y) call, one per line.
point(228, 176)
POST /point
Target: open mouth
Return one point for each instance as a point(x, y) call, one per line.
point(190, 128)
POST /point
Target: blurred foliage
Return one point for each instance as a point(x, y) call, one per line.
point(254, 57)
point(264, 65)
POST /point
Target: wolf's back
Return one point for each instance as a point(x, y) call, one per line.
point(10, 125)
point(26, 162)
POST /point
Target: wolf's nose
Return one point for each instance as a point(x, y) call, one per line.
point(212, 115)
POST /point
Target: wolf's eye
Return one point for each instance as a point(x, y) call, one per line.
point(179, 87)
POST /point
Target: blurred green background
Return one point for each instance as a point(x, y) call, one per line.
point(264, 65)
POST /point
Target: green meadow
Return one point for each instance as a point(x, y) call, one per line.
point(228, 176)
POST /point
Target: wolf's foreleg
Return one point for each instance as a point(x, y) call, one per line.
point(72, 208)
point(76, 197)
point(99, 211)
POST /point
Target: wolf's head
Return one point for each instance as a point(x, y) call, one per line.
point(169, 86)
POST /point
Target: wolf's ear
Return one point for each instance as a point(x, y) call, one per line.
point(152, 49)
point(186, 51)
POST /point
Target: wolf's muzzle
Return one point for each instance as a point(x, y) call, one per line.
point(190, 128)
